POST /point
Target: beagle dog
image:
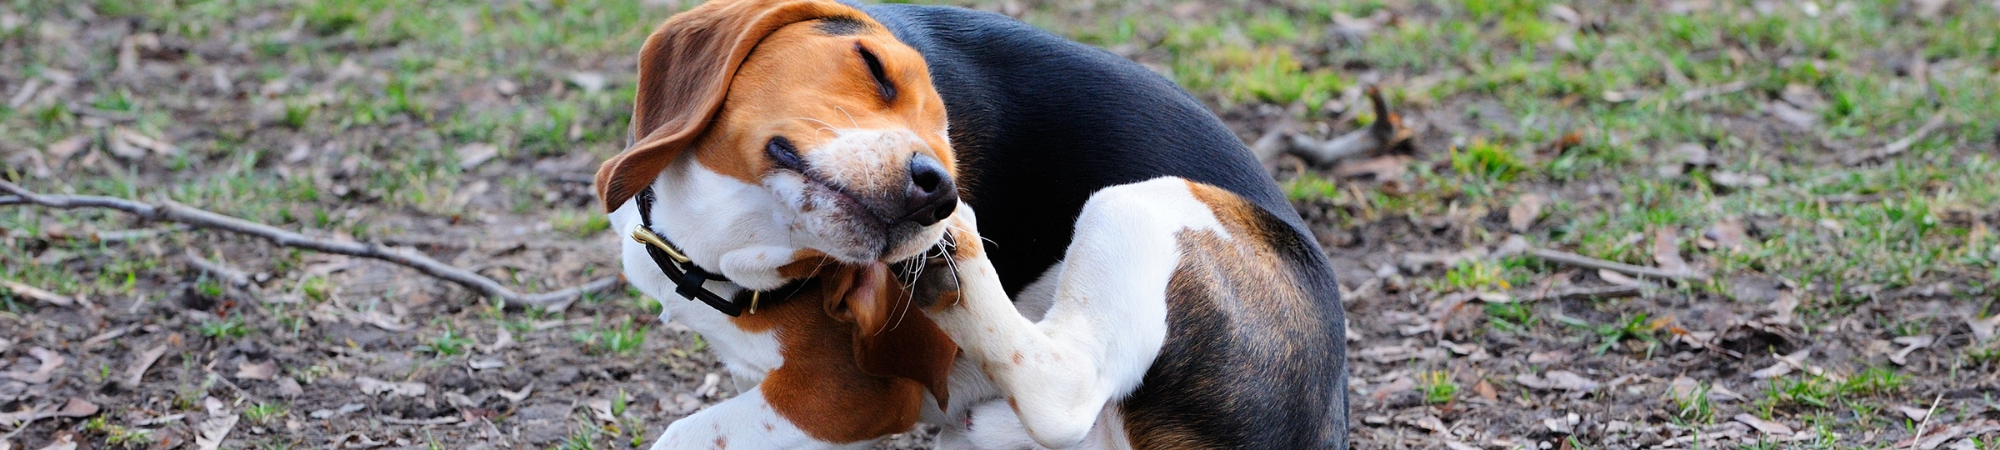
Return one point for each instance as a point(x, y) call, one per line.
point(801, 190)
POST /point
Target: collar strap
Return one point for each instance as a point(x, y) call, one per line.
point(689, 279)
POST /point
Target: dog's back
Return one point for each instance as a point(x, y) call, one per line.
point(1040, 123)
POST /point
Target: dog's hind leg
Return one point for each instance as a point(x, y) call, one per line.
point(1109, 317)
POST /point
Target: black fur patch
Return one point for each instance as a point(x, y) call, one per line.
point(841, 26)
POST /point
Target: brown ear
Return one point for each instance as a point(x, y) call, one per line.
point(684, 72)
point(892, 337)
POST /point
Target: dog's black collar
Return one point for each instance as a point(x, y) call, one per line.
point(689, 279)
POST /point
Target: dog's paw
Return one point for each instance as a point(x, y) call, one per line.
point(961, 235)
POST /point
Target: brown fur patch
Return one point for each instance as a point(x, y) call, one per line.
point(839, 384)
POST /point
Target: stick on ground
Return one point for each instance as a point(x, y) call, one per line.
point(169, 211)
point(1573, 259)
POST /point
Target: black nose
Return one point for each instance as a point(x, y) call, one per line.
point(930, 196)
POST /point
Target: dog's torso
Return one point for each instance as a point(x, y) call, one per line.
point(1041, 123)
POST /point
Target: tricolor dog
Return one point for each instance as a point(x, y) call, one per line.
point(884, 214)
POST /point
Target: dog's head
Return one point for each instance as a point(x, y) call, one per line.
point(829, 124)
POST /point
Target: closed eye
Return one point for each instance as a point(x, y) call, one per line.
point(882, 84)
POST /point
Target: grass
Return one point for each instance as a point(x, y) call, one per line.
point(447, 344)
point(264, 413)
point(620, 340)
point(230, 328)
point(1694, 407)
point(1437, 387)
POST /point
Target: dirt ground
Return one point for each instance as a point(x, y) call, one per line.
point(1819, 178)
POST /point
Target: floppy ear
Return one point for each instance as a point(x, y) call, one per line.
point(892, 336)
point(684, 72)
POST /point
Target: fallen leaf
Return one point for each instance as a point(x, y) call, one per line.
point(518, 395)
point(1739, 180)
point(129, 144)
point(1393, 387)
point(50, 362)
point(63, 149)
point(1525, 210)
point(258, 371)
point(501, 342)
point(1982, 329)
point(1558, 380)
point(1786, 364)
point(485, 364)
point(372, 386)
point(1667, 250)
point(473, 155)
point(1547, 357)
point(213, 431)
point(346, 409)
point(709, 383)
point(1914, 413)
point(1382, 168)
point(601, 409)
point(66, 441)
point(1486, 390)
point(591, 82)
point(1910, 344)
point(1765, 426)
point(1617, 278)
point(1790, 115)
point(77, 408)
point(1726, 234)
point(137, 371)
point(289, 387)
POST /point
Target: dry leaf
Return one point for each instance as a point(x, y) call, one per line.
point(501, 342)
point(1910, 344)
point(372, 386)
point(1382, 168)
point(601, 409)
point(65, 441)
point(1982, 329)
point(213, 431)
point(1914, 413)
point(1559, 380)
point(1784, 365)
point(519, 395)
point(1739, 180)
point(50, 362)
point(474, 154)
point(289, 387)
point(1525, 210)
point(1617, 278)
point(77, 408)
point(1726, 234)
point(1486, 390)
point(1667, 250)
point(591, 82)
point(127, 137)
point(258, 371)
point(63, 149)
point(1765, 426)
point(137, 371)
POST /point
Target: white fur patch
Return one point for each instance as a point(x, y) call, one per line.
point(1108, 318)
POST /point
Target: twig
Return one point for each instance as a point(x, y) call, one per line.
point(1926, 423)
point(1613, 291)
point(36, 293)
point(1899, 146)
point(1387, 132)
point(170, 211)
point(235, 277)
point(1594, 263)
